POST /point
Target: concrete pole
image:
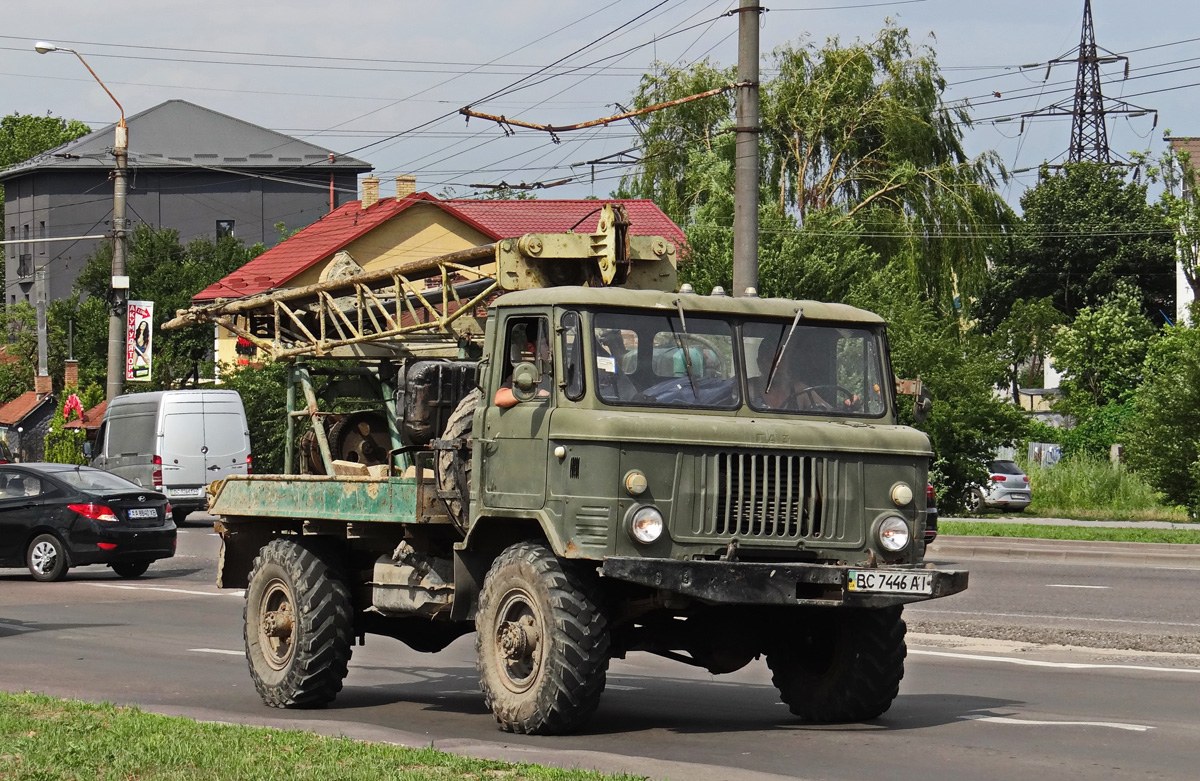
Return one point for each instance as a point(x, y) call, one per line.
point(120, 282)
point(745, 188)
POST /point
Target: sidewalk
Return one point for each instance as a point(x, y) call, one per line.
point(1076, 551)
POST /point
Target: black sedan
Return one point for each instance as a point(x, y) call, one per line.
point(57, 516)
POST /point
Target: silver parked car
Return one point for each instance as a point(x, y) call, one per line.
point(1008, 488)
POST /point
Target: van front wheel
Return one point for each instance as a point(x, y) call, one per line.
point(179, 515)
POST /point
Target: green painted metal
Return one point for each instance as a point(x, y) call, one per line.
point(351, 499)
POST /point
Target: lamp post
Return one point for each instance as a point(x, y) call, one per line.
point(115, 385)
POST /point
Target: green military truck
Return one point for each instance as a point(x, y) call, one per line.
point(543, 442)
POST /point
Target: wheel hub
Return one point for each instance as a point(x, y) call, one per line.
point(518, 639)
point(518, 642)
point(43, 557)
point(276, 625)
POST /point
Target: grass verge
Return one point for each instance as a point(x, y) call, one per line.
point(45, 738)
point(1098, 533)
point(1090, 487)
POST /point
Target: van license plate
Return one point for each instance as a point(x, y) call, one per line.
point(891, 582)
point(185, 492)
point(143, 512)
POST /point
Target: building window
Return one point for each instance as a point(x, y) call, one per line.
point(42, 235)
point(12, 235)
point(224, 228)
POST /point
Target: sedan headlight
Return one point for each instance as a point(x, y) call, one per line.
point(646, 524)
point(893, 534)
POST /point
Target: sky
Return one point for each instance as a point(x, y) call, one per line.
point(382, 81)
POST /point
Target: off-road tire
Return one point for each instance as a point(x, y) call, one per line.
point(845, 666)
point(552, 682)
point(47, 558)
point(454, 466)
point(130, 569)
point(305, 667)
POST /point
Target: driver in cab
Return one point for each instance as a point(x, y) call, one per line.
point(788, 384)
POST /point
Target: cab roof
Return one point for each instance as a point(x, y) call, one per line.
point(589, 297)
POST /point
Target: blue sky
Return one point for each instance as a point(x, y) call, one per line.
point(395, 66)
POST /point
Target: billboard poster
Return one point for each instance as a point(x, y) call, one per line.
point(139, 326)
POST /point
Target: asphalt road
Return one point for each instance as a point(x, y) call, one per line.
point(978, 707)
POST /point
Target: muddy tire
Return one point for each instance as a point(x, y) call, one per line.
point(542, 642)
point(298, 627)
point(845, 666)
point(454, 466)
point(47, 559)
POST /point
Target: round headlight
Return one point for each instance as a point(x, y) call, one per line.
point(901, 494)
point(646, 524)
point(893, 534)
point(635, 483)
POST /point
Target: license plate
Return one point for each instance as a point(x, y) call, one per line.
point(143, 512)
point(891, 582)
point(185, 491)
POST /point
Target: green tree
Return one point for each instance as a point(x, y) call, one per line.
point(1024, 337)
point(1085, 230)
point(163, 271)
point(264, 395)
point(65, 445)
point(21, 347)
point(1180, 207)
point(23, 136)
point(1161, 439)
point(1100, 355)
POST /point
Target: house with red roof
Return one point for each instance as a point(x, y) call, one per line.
point(376, 233)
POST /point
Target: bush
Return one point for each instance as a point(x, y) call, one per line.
point(1082, 484)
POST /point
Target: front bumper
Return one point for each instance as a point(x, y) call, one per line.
point(758, 583)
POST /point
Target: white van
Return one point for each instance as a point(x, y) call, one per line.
point(176, 442)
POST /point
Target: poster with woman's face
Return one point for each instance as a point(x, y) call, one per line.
point(139, 325)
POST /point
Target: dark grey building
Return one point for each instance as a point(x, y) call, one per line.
point(198, 171)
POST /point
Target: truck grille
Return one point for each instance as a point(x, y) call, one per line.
point(776, 496)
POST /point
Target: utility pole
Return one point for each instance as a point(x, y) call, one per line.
point(745, 187)
point(120, 282)
point(115, 385)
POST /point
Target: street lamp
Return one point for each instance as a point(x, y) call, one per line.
point(120, 282)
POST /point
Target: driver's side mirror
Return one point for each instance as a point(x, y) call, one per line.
point(525, 379)
point(923, 405)
point(87, 450)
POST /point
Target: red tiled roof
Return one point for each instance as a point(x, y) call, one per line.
point(91, 418)
point(495, 219)
point(19, 408)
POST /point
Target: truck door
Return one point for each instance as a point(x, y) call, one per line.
point(515, 439)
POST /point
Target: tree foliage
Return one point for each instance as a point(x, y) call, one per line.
point(21, 348)
point(166, 272)
point(1084, 232)
point(1025, 336)
point(65, 445)
point(1161, 440)
point(23, 136)
point(1180, 207)
point(264, 395)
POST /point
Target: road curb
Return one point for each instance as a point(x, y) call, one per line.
point(1073, 551)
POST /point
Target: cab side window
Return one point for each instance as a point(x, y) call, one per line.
point(527, 340)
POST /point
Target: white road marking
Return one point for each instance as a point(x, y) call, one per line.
point(216, 651)
point(1072, 585)
point(1059, 665)
point(925, 612)
point(168, 590)
point(1040, 723)
point(16, 627)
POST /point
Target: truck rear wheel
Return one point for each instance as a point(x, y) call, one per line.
point(454, 466)
point(298, 627)
point(542, 642)
point(844, 667)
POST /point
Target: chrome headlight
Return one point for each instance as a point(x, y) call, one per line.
point(645, 524)
point(893, 534)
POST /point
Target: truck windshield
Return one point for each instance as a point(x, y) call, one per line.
point(640, 359)
point(816, 370)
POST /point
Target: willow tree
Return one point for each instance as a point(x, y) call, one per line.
point(855, 139)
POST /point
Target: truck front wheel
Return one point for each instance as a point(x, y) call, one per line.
point(298, 627)
point(542, 642)
point(840, 665)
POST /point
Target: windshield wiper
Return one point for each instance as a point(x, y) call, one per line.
point(782, 348)
point(679, 340)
